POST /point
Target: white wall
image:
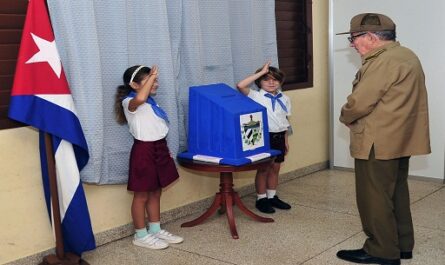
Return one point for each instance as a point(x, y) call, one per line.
point(420, 27)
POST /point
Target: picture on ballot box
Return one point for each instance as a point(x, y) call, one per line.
point(252, 130)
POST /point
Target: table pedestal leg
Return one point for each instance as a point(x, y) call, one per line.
point(215, 205)
point(225, 199)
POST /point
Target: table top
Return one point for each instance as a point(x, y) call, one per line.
point(212, 167)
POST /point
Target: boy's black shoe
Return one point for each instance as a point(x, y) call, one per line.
point(263, 205)
point(277, 203)
point(360, 256)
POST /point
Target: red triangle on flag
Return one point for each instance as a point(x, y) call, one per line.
point(39, 69)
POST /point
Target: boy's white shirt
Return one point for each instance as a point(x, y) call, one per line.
point(277, 119)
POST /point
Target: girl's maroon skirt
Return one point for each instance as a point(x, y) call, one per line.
point(151, 166)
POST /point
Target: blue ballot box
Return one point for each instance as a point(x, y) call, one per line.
point(226, 127)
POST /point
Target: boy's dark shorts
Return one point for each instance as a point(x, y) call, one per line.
point(277, 142)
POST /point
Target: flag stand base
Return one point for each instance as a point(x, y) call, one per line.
point(70, 259)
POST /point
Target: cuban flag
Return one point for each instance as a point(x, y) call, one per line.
point(41, 98)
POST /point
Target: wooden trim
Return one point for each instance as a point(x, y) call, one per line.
point(13, 6)
point(9, 51)
point(294, 41)
point(7, 67)
point(12, 20)
point(310, 52)
point(6, 123)
point(10, 36)
point(6, 82)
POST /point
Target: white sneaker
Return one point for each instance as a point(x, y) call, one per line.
point(150, 241)
point(168, 237)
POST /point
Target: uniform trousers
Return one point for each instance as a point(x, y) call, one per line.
point(383, 202)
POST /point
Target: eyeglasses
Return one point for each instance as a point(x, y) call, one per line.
point(351, 38)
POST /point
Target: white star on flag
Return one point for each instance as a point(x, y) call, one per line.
point(47, 53)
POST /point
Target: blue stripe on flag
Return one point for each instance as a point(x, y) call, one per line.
point(63, 125)
point(76, 224)
point(52, 119)
point(79, 239)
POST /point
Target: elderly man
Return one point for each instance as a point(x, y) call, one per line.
point(387, 114)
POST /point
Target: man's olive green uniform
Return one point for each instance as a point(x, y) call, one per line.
point(387, 113)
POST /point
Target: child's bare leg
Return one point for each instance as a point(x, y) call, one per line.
point(262, 203)
point(272, 184)
point(153, 205)
point(138, 209)
point(261, 179)
point(272, 177)
point(141, 203)
point(154, 217)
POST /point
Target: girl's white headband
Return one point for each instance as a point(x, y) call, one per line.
point(135, 72)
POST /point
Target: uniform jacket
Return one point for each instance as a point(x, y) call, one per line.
point(388, 106)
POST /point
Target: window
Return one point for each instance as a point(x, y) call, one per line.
point(12, 19)
point(294, 40)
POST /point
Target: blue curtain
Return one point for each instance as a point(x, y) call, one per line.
point(194, 42)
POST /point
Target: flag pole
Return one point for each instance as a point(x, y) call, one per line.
point(61, 258)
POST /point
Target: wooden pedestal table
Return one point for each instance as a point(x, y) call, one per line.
point(227, 196)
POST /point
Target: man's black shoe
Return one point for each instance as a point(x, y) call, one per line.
point(277, 203)
point(263, 205)
point(406, 254)
point(360, 256)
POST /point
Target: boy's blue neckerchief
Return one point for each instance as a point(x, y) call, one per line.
point(275, 99)
point(156, 109)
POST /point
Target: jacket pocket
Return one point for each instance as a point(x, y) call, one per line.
point(356, 136)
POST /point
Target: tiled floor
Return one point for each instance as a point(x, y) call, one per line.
point(323, 220)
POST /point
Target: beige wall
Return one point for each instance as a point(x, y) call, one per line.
point(22, 206)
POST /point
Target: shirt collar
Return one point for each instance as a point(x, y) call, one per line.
point(379, 50)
